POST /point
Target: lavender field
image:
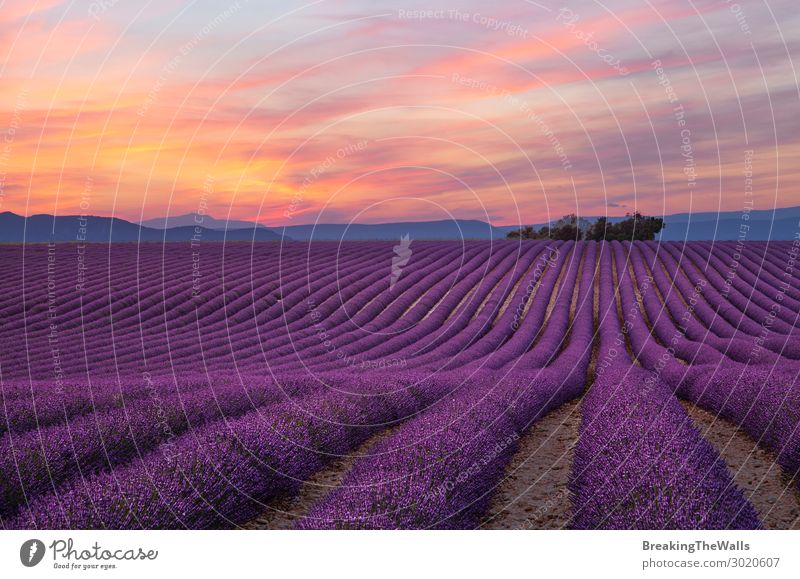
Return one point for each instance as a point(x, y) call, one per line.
point(357, 385)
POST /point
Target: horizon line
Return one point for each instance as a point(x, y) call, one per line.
point(456, 219)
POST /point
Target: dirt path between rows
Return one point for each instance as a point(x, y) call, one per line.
point(534, 493)
point(282, 513)
point(755, 471)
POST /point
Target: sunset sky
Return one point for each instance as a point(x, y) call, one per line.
point(337, 111)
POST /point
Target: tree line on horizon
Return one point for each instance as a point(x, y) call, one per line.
point(635, 227)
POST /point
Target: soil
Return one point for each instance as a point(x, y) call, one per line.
point(754, 469)
point(534, 493)
point(283, 512)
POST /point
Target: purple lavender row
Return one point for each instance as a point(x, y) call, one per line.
point(222, 340)
point(224, 473)
point(28, 406)
point(431, 309)
point(675, 350)
point(670, 318)
point(156, 278)
point(218, 313)
point(517, 328)
point(684, 315)
point(294, 329)
point(747, 305)
point(377, 341)
point(739, 261)
point(560, 328)
point(151, 283)
point(670, 334)
point(439, 469)
point(92, 334)
point(719, 304)
point(766, 296)
point(639, 463)
point(776, 257)
point(484, 333)
point(523, 312)
point(692, 289)
point(174, 345)
point(304, 335)
point(39, 461)
point(383, 308)
point(712, 309)
point(765, 402)
point(423, 343)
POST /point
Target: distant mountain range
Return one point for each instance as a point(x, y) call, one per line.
point(450, 229)
point(192, 219)
point(46, 228)
point(781, 223)
point(763, 224)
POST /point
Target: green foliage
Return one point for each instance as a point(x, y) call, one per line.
point(635, 227)
point(568, 227)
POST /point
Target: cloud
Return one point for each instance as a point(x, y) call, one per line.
point(532, 127)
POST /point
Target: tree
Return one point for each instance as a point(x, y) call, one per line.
point(524, 233)
point(573, 220)
point(566, 232)
point(635, 227)
point(528, 232)
point(598, 230)
point(566, 228)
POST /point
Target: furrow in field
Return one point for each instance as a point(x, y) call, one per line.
point(639, 464)
point(534, 493)
point(284, 512)
point(754, 470)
